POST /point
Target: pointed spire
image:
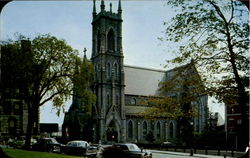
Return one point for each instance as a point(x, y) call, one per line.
point(94, 8)
point(119, 7)
point(102, 6)
point(85, 56)
point(110, 7)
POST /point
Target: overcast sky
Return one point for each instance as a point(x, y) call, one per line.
point(71, 20)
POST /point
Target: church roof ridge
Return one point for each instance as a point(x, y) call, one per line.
point(145, 68)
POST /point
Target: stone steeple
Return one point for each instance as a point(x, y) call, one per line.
point(107, 58)
point(102, 6)
point(94, 9)
point(119, 8)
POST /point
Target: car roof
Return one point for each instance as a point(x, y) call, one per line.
point(47, 138)
point(78, 141)
point(124, 144)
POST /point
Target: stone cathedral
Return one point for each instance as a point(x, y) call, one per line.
point(121, 89)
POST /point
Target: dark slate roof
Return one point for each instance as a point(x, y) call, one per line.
point(142, 81)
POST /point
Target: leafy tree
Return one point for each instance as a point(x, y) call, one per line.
point(84, 75)
point(176, 94)
point(215, 36)
point(45, 76)
point(83, 101)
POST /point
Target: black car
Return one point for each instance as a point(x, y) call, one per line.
point(125, 150)
point(47, 145)
point(79, 147)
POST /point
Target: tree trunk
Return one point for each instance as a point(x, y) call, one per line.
point(242, 98)
point(29, 130)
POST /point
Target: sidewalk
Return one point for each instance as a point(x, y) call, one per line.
point(187, 154)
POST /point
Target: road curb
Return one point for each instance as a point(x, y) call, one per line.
point(186, 154)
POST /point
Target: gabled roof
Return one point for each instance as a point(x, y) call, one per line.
point(142, 81)
point(145, 82)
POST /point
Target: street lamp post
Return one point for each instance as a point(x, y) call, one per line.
point(138, 137)
point(191, 150)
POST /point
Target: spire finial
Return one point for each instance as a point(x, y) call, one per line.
point(85, 50)
point(110, 7)
point(102, 5)
point(94, 8)
point(119, 7)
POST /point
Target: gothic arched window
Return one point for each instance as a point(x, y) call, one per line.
point(96, 73)
point(133, 101)
point(108, 70)
point(130, 129)
point(111, 40)
point(98, 41)
point(117, 100)
point(108, 99)
point(171, 130)
point(144, 129)
point(158, 130)
point(116, 71)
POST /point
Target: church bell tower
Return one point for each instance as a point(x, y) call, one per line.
point(107, 57)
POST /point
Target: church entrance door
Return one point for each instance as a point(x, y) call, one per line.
point(112, 133)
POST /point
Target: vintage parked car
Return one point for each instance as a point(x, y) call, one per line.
point(79, 147)
point(125, 150)
point(20, 141)
point(47, 145)
point(167, 144)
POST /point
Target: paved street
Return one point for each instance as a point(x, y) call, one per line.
point(167, 154)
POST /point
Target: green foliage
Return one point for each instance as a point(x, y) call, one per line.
point(55, 60)
point(82, 79)
point(43, 69)
point(178, 94)
point(215, 35)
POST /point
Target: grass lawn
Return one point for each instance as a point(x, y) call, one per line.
point(16, 153)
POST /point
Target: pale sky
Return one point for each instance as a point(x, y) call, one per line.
point(71, 20)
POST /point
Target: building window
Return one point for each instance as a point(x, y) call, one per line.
point(232, 110)
point(130, 129)
point(98, 41)
point(117, 100)
point(108, 99)
point(111, 40)
point(171, 130)
point(116, 71)
point(96, 73)
point(158, 130)
point(144, 129)
point(239, 122)
point(108, 70)
point(133, 101)
point(12, 126)
point(17, 108)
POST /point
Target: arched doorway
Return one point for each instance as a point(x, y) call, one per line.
point(112, 132)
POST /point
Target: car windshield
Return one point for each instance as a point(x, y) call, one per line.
point(84, 144)
point(53, 141)
point(72, 144)
point(77, 144)
point(133, 147)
